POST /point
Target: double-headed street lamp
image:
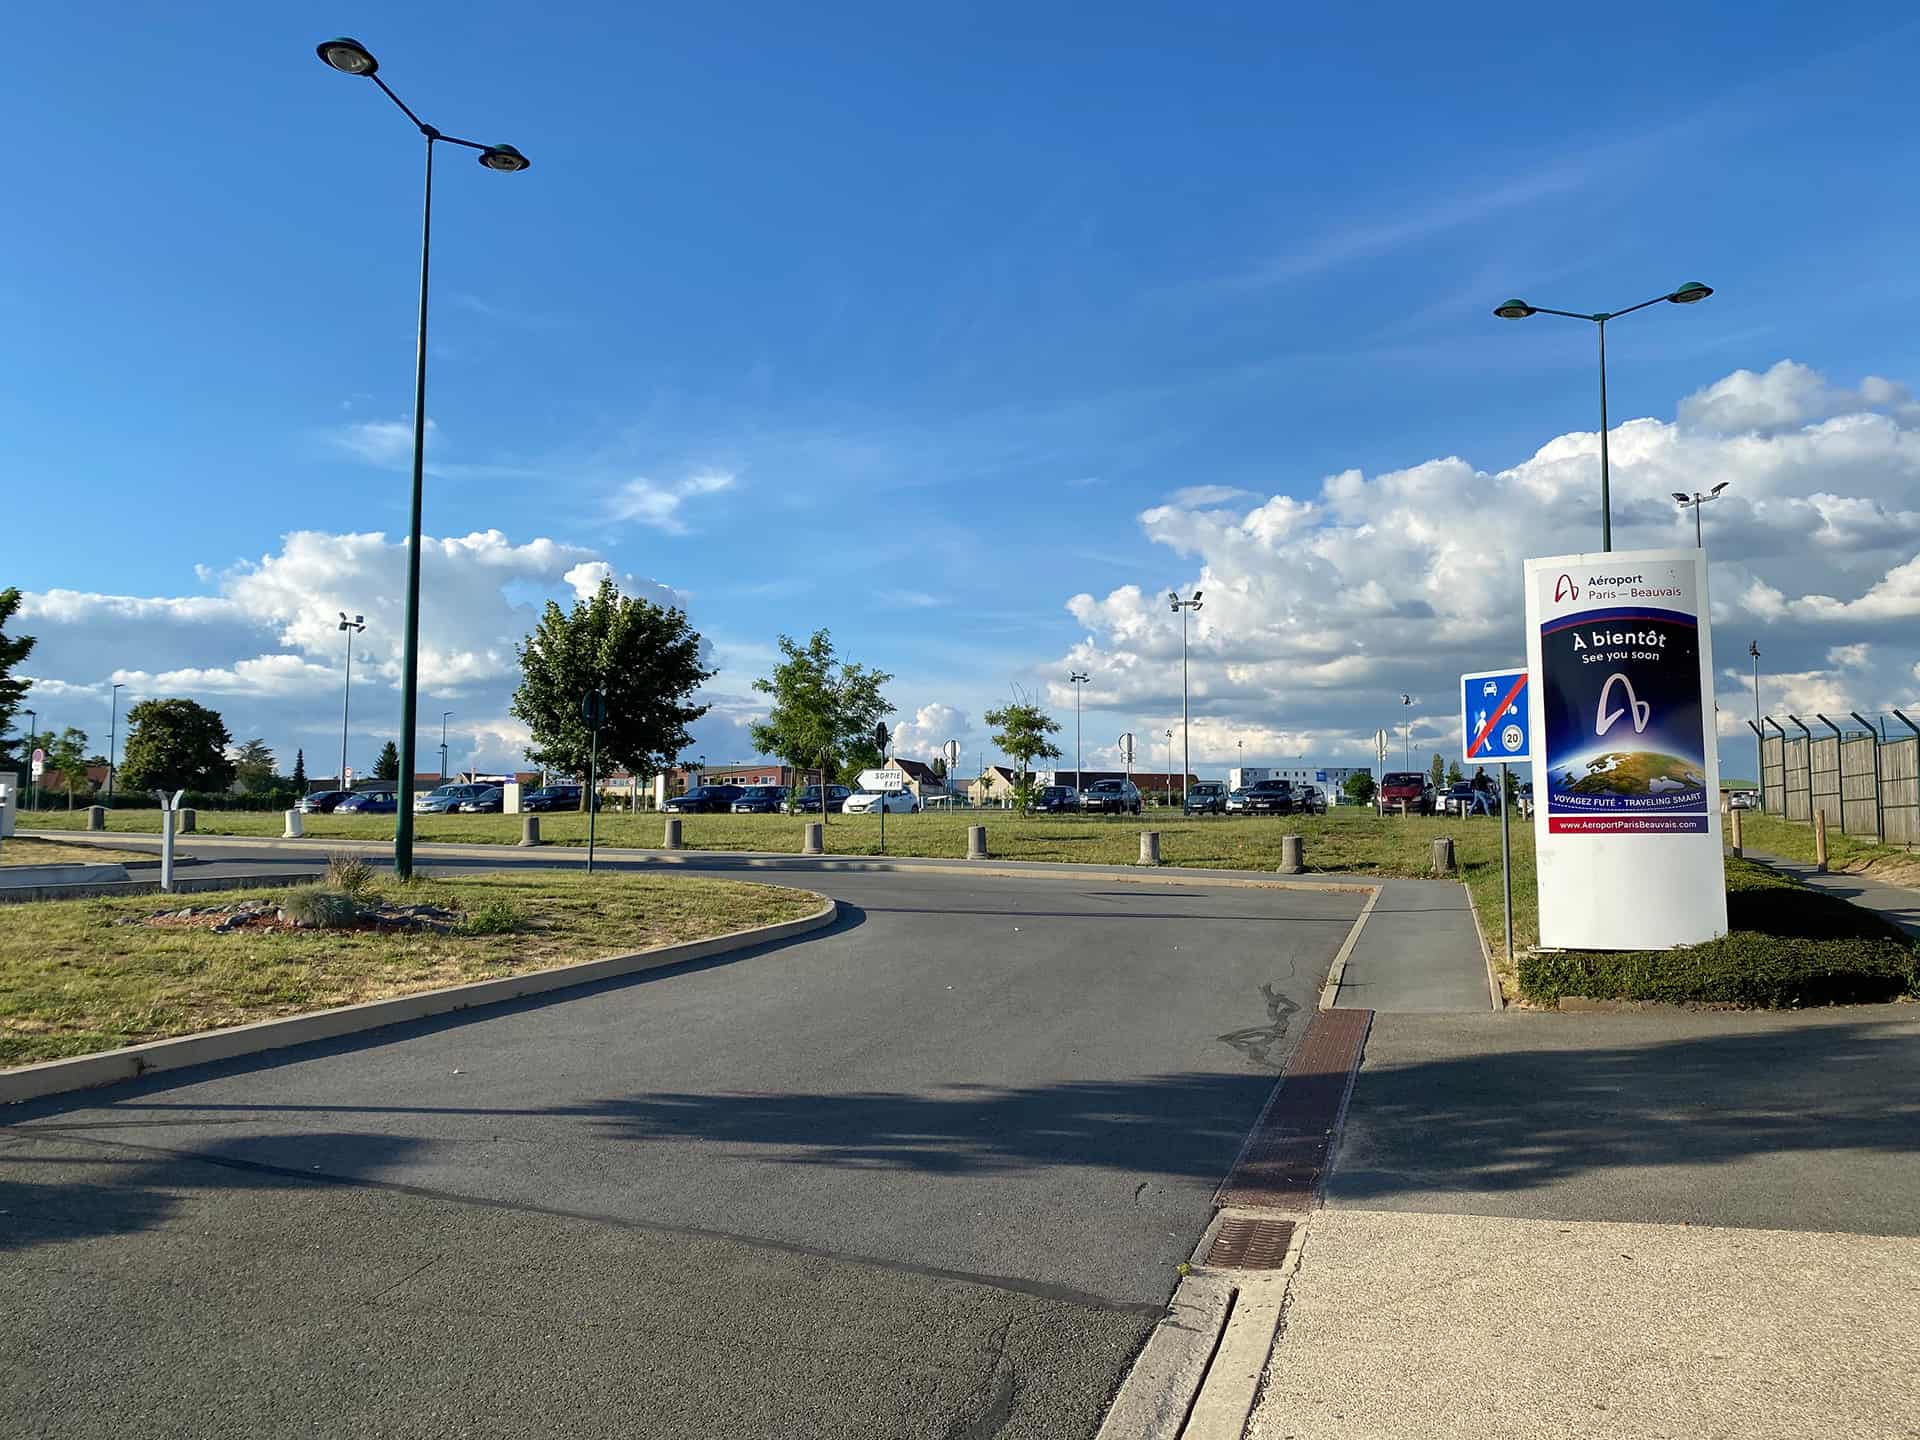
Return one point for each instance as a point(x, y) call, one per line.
point(1181, 607)
point(350, 57)
point(1690, 293)
point(444, 715)
point(1696, 500)
point(352, 628)
point(113, 736)
point(1076, 679)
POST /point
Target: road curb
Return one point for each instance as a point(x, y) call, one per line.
point(1336, 972)
point(1494, 992)
point(1160, 1389)
point(84, 1072)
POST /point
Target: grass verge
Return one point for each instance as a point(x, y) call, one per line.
point(1793, 840)
point(75, 977)
point(27, 850)
point(1787, 946)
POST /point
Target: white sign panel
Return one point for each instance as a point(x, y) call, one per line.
point(1625, 765)
point(883, 780)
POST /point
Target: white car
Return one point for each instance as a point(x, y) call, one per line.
point(872, 802)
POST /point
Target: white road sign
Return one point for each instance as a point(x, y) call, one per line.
point(883, 780)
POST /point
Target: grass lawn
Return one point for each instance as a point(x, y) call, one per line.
point(26, 850)
point(1793, 840)
point(1786, 945)
point(74, 978)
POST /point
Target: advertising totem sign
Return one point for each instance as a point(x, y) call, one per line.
point(1626, 771)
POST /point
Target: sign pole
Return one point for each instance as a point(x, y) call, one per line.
point(1506, 862)
point(593, 709)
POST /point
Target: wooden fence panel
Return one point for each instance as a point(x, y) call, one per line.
point(1859, 786)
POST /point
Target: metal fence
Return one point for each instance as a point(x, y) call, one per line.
point(1864, 781)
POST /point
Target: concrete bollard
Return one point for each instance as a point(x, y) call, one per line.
point(1292, 855)
point(816, 841)
point(296, 826)
point(1738, 852)
point(96, 817)
point(1149, 847)
point(672, 838)
point(976, 842)
point(1820, 841)
point(529, 829)
point(1443, 855)
point(188, 819)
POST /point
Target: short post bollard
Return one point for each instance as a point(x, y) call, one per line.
point(1738, 852)
point(672, 839)
point(816, 839)
point(188, 819)
point(1292, 855)
point(529, 829)
point(96, 817)
point(976, 842)
point(1149, 847)
point(1443, 855)
point(296, 826)
point(1820, 841)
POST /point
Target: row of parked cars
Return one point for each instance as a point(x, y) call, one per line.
point(465, 797)
point(778, 799)
point(1263, 797)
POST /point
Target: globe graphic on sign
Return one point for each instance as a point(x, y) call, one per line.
point(1629, 772)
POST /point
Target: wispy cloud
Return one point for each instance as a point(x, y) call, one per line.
point(385, 443)
point(909, 599)
point(1194, 496)
point(658, 504)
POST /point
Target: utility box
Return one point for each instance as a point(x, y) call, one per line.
point(9, 802)
point(510, 798)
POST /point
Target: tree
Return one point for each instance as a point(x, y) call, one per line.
point(1021, 731)
point(1438, 769)
point(175, 745)
point(644, 659)
point(1358, 787)
point(67, 757)
point(299, 772)
point(13, 652)
point(386, 765)
point(1453, 773)
point(254, 767)
point(824, 709)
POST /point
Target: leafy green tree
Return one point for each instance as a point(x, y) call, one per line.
point(1358, 787)
point(299, 772)
point(175, 745)
point(13, 651)
point(1453, 773)
point(824, 709)
point(1438, 770)
point(1021, 731)
point(643, 658)
point(67, 758)
point(254, 767)
point(386, 765)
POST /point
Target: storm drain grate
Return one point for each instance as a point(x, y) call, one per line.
point(1285, 1157)
point(1247, 1244)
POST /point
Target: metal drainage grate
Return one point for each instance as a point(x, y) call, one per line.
point(1247, 1244)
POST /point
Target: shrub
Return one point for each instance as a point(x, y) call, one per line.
point(351, 875)
point(1741, 968)
point(496, 917)
point(310, 906)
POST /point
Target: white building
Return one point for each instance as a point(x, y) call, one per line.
point(1329, 778)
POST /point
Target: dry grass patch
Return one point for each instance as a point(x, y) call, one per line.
point(29, 850)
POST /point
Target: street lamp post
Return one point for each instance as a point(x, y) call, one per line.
point(350, 57)
point(113, 736)
point(352, 628)
point(1168, 790)
point(1192, 602)
point(1076, 679)
point(1696, 500)
point(1690, 293)
point(443, 746)
point(33, 731)
point(1760, 734)
point(1406, 730)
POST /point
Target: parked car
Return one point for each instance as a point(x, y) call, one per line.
point(551, 797)
point(1209, 797)
point(1414, 787)
point(1236, 802)
point(321, 802)
point(446, 798)
point(873, 802)
point(761, 800)
point(1744, 800)
point(1056, 799)
point(1270, 797)
point(705, 800)
point(369, 802)
point(808, 800)
point(1112, 797)
point(1310, 800)
point(490, 801)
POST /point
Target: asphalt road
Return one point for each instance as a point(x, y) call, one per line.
point(928, 1174)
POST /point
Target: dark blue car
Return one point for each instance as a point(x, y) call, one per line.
point(369, 802)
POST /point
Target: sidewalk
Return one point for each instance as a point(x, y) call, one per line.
point(1897, 904)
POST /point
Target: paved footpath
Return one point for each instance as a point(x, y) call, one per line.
point(1653, 1224)
point(927, 1174)
point(1896, 904)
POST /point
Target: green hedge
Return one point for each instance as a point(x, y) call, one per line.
point(1787, 945)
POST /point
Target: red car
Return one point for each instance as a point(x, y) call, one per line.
point(1413, 787)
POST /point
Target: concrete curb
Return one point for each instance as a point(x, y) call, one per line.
point(182, 885)
point(83, 1072)
point(1159, 1391)
point(1494, 992)
point(1336, 972)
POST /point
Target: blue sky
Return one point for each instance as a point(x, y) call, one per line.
point(900, 323)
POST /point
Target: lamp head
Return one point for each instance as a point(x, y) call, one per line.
point(1683, 499)
point(1691, 293)
point(1513, 310)
point(1721, 486)
point(348, 56)
point(503, 158)
point(1753, 648)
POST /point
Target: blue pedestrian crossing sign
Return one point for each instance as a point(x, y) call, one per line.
point(1493, 717)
